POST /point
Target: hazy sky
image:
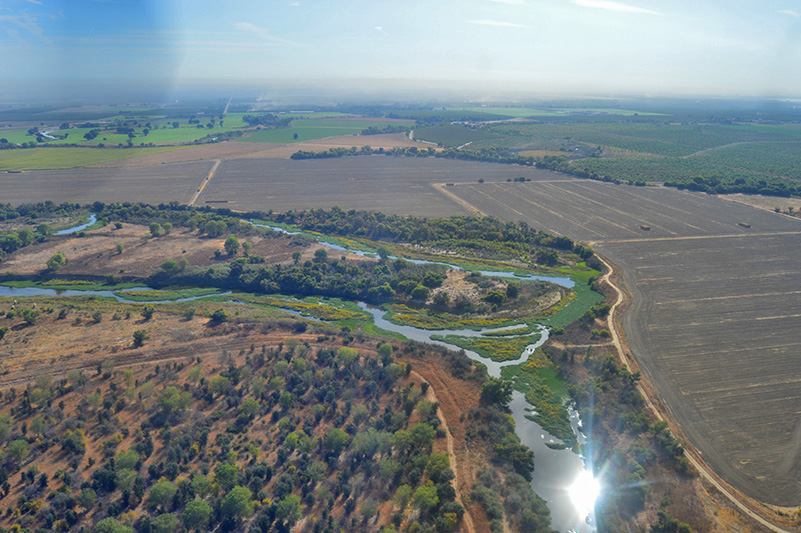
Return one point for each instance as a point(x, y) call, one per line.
point(648, 47)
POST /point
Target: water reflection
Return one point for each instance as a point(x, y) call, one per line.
point(583, 494)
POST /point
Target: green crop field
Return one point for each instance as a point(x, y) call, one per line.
point(308, 129)
point(61, 158)
point(451, 135)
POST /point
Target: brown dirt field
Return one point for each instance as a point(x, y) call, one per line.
point(243, 149)
point(769, 203)
point(96, 254)
point(186, 153)
point(153, 184)
point(541, 153)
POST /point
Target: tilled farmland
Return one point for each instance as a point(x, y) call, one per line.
point(397, 185)
point(150, 184)
point(715, 321)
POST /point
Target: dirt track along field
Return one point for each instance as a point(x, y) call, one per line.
point(715, 322)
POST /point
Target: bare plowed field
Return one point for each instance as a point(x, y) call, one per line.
point(399, 185)
point(715, 322)
point(595, 211)
point(154, 184)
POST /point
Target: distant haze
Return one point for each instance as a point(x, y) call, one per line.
point(65, 49)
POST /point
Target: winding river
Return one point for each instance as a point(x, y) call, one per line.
point(560, 476)
point(555, 471)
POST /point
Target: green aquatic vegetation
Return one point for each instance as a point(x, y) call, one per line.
point(498, 348)
point(404, 315)
point(545, 391)
point(165, 294)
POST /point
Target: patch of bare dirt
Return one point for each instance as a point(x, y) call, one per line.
point(235, 150)
point(96, 253)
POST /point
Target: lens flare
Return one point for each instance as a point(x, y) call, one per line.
point(583, 492)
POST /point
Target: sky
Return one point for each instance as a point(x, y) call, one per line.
point(747, 48)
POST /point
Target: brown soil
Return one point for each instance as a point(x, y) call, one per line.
point(95, 254)
point(236, 149)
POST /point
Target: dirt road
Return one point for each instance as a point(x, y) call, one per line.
point(691, 454)
point(431, 396)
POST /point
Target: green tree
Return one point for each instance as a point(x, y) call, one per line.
point(320, 255)
point(219, 385)
point(402, 496)
point(26, 236)
point(231, 245)
point(169, 266)
point(147, 312)
point(496, 391)
point(201, 485)
point(173, 400)
point(336, 441)
point(126, 478)
point(17, 450)
point(161, 494)
point(156, 229)
point(219, 315)
point(383, 252)
point(56, 261)
point(165, 523)
point(247, 248)
point(126, 459)
point(110, 525)
point(120, 248)
point(226, 474)
point(420, 292)
point(666, 523)
point(288, 509)
point(30, 315)
point(87, 498)
point(196, 514)
point(425, 497)
point(139, 337)
point(296, 255)
point(237, 503)
point(250, 406)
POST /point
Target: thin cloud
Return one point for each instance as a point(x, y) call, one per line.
point(34, 2)
point(27, 22)
point(789, 12)
point(496, 23)
point(615, 6)
point(261, 33)
point(515, 2)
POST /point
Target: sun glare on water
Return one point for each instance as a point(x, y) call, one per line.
point(583, 492)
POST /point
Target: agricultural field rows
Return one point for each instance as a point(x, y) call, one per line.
point(155, 184)
point(309, 129)
point(715, 325)
point(596, 211)
point(380, 183)
point(715, 322)
point(452, 135)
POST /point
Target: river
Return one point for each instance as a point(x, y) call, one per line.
point(76, 229)
point(563, 281)
point(560, 476)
